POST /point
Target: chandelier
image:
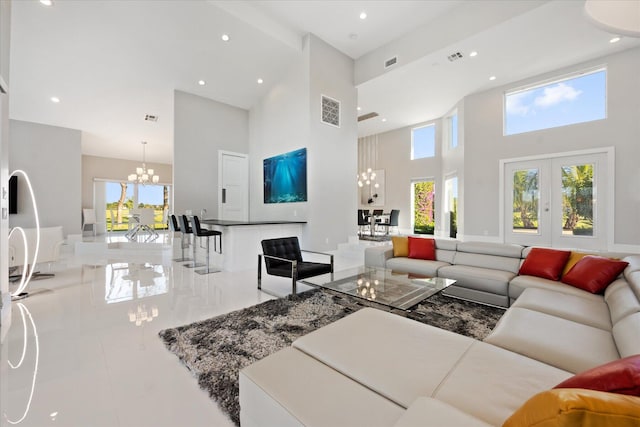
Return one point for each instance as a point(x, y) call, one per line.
point(143, 175)
point(367, 161)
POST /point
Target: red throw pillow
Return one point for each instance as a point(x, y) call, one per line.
point(620, 376)
point(545, 263)
point(594, 273)
point(422, 248)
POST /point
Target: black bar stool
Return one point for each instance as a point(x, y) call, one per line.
point(203, 232)
point(186, 229)
point(176, 228)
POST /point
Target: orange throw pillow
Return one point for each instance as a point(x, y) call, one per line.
point(569, 407)
point(573, 259)
point(421, 248)
point(400, 246)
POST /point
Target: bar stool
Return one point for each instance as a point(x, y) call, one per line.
point(176, 228)
point(186, 229)
point(203, 232)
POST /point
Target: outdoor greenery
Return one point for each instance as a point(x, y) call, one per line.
point(121, 210)
point(577, 199)
point(424, 207)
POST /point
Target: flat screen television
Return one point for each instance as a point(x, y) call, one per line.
point(13, 195)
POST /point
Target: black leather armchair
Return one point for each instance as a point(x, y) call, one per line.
point(283, 258)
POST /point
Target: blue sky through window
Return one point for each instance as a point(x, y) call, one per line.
point(454, 131)
point(423, 142)
point(575, 100)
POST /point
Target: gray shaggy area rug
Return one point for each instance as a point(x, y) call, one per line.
point(215, 350)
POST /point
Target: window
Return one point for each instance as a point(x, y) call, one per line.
point(451, 205)
point(121, 197)
point(423, 193)
point(452, 131)
point(576, 99)
point(423, 142)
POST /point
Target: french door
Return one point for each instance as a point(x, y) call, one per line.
point(558, 202)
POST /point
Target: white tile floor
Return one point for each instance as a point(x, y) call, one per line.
point(87, 362)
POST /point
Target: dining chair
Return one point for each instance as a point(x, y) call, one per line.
point(89, 218)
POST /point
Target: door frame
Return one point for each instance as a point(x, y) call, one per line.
point(221, 154)
point(609, 152)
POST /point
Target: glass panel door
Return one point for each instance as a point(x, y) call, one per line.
point(557, 202)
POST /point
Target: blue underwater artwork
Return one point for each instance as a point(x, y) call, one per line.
point(285, 177)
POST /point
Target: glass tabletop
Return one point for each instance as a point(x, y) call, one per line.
point(387, 287)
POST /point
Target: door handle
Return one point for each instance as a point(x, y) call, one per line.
point(224, 195)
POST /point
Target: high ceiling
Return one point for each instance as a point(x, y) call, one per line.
point(112, 62)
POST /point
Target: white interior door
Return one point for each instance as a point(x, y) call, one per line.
point(558, 202)
point(233, 186)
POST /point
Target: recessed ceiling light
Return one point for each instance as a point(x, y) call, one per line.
point(358, 108)
point(202, 82)
point(225, 37)
point(492, 78)
point(260, 81)
point(55, 99)
point(474, 53)
point(47, 2)
point(363, 15)
point(384, 120)
point(615, 40)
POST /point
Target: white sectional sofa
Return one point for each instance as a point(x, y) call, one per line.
point(374, 368)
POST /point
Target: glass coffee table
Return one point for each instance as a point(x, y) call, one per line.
point(381, 286)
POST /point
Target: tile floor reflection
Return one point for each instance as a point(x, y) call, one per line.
point(83, 348)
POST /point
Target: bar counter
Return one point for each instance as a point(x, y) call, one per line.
point(241, 240)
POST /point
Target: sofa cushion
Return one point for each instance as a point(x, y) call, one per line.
point(289, 388)
point(621, 299)
point(567, 345)
point(421, 248)
point(594, 273)
point(490, 383)
point(545, 263)
point(620, 376)
point(493, 262)
point(400, 246)
point(416, 266)
point(399, 358)
point(482, 279)
point(428, 412)
point(487, 248)
point(519, 283)
point(571, 307)
point(447, 244)
point(626, 332)
point(577, 407)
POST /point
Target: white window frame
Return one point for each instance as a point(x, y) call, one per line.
point(447, 131)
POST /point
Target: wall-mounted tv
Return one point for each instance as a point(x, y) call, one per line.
point(13, 195)
point(285, 177)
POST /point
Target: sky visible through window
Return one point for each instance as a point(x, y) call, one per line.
point(147, 194)
point(423, 142)
point(454, 131)
point(576, 100)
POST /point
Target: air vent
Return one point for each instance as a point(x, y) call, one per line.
point(151, 118)
point(389, 62)
point(367, 116)
point(454, 56)
point(330, 113)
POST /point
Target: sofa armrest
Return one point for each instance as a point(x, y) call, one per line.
point(377, 256)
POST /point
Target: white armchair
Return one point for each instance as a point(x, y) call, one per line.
point(51, 240)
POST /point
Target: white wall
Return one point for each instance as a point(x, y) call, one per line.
point(202, 127)
point(288, 118)
point(394, 156)
point(485, 145)
point(51, 156)
point(5, 298)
